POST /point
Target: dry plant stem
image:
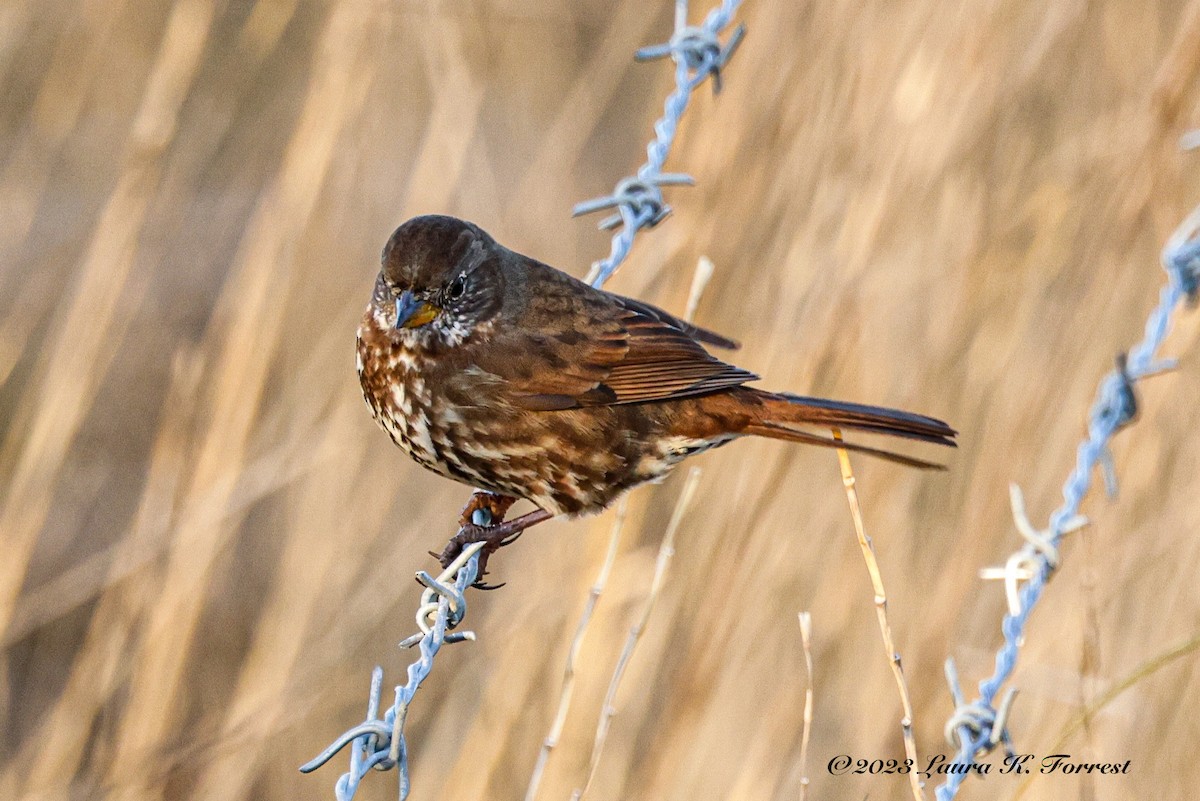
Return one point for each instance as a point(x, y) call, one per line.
point(665, 552)
point(700, 278)
point(568, 687)
point(1142, 671)
point(885, 629)
point(806, 641)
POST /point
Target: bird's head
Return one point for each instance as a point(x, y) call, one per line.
point(440, 280)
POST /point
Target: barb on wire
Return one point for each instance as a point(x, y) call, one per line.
point(977, 727)
point(639, 203)
point(979, 719)
point(698, 48)
point(1039, 546)
point(1185, 270)
point(698, 54)
point(379, 742)
point(1181, 254)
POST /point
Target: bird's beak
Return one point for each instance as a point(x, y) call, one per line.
point(411, 313)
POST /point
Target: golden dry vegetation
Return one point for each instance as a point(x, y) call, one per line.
point(206, 544)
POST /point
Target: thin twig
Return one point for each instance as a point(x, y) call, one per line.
point(665, 552)
point(806, 641)
point(885, 629)
point(700, 278)
point(1142, 671)
point(568, 686)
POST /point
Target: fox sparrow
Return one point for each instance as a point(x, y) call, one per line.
point(508, 375)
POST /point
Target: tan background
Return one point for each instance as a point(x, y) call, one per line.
point(206, 544)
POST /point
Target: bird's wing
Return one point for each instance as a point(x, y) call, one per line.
point(693, 331)
point(588, 348)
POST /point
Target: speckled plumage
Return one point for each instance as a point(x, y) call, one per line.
point(531, 384)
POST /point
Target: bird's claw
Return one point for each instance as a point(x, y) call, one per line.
point(479, 585)
point(493, 537)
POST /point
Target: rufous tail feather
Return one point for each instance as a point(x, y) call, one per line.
point(782, 414)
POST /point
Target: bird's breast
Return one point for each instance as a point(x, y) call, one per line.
point(396, 391)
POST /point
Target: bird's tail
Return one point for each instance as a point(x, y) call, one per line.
point(782, 414)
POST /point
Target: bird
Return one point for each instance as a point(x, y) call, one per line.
point(517, 379)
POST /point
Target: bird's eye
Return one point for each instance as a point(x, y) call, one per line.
point(457, 287)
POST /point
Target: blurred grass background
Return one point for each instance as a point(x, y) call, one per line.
point(205, 544)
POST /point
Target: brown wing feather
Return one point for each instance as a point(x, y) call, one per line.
point(621, 351)
point(693, 331)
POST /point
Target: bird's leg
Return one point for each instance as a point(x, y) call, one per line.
point(490, 506)
point(494, 537)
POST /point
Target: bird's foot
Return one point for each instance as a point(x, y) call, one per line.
point(493, 537)
point(485, 509)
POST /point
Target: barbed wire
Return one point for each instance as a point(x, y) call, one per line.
point(977, 727)
point(698, 54)
point(378, 743)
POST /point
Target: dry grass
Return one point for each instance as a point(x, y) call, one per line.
point(205, 545)
point(890, 653)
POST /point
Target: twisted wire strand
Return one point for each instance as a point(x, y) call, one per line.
point(977, 727)
point(638, 200)
point(378, 743)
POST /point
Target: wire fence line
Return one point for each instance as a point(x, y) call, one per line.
point(698, 54)
point(379, 743)
point(977, 727)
